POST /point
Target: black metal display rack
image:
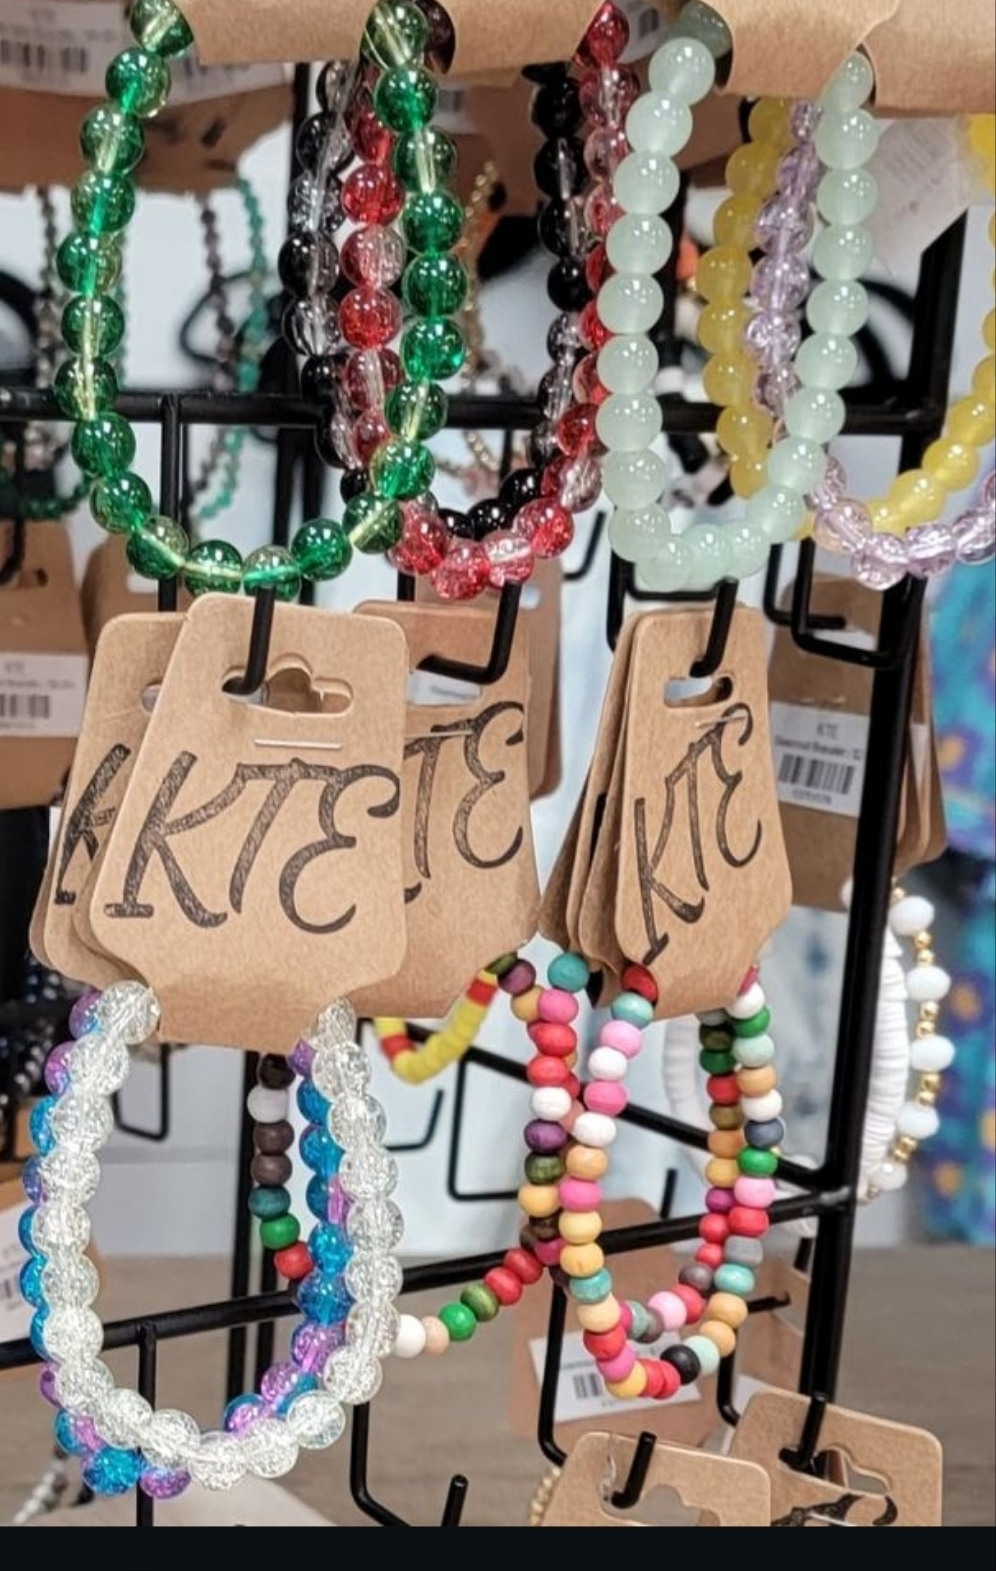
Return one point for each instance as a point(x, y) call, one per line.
point(913, 410)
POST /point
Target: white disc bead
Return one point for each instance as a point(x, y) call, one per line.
point(550, 1103)
point(911, 915)
point(607, 1063)
point(267, 1106)
point(917, 1122)
point(931, 1055)
point(748, 1004)
point(888, 1175)
point(411, 1338)
point(597, 1130)
point(927, 984)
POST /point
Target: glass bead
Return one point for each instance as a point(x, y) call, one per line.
point(575, 482)
point(747, 547)
point(646, 183)
point(984, 380)
point(838, 307)
point(130, 1011)
point(272, 567)
point(843, 253)
point(423, 541)
point(111, 141)
point(315, 1419)
point(971, 421)
point(314, 204)
point(112, 1471)
point(638, 243)
point(321, 550)
point(773, 338)
point(103, 446)
point(123, 1417)
point(723, 274)
point(80, 1388)
point(779, 512)
point(307, 264)
point(733, 222)
point(685, 68)
point(846, 141)
point(372, 1277)
point(310, 328)
point(815, 414)
point(404, 98)
point(779, 283)
point(659, 123)
point(975, 536)
point(630, 303)
point(797, 464)
point(709, 557)
point(73, 1334)
point(102, 204)
point(432, 350)
point(600, 210)
point(329, 1249)
point(627, 364)
point(93, 327)
point(159, 548)
point(804, 117)
point(752, 170)
point(464, 573)
point(881, 562)
point(847, 196)
point(75, 1174)
point(138, 81)
point(213, 567)
point(426, 160)
point(629, 422)
point(954, 465)
point(850, 86)
point(699, 20)
point(605, 39)
point(416, 410)
point(373, 256)
point(770, 120)
point(89, 264)
point(989, 330)
point(435, 285)
point(159, 25)
point(373, 524)
point(931, 549)
point(163, 1483)
point(604, 151)
point(721, 327)
point(633, 479)
point(510, 558)
point(356, 1119)
point(352, 1376)
point(369, 376)
point(606, 98)
point(774, 386)
point(919, 497)
point(84, 388)
point(402, 470)
point(396, 34)
point(635, 533)
point(218, 1462)
point(745, 431)
point(827, 361)
point(372, 194)
point(729, 382)
point(547, 525)
point(369, 318)
point(121, 504)
point(783, 225)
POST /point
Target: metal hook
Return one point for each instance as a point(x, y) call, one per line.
point(804, 1456)
point(719, 631)
point(631, 1492)
point(907, 597)
point(15, 560)
point(359, 1452)
point(547, 1414)
point(496, 665)
point(259, 647)
point(161, 1131)
point(774, 612)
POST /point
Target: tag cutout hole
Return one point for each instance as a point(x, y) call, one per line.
point(293, 690)
point(661, 1506)
point(690, 692)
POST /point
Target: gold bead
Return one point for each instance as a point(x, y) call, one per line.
point(922, 941)
point(925, 1028)
point(898, 894)
point(930, 1080)
point(926, 1098)
point(930, 1011)
point(925, 957)
point(904, 1148)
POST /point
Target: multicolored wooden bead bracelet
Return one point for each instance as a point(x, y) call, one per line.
point(418, 1062)
point(336, 1352)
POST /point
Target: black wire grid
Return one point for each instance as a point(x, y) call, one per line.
point(914, 412)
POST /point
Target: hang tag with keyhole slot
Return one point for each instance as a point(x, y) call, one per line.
point(683, 1487)
point(129, 664)
point(881, 1474)
point(254, 871)
point(702, 876)
point(471, 890)
point(43, 666)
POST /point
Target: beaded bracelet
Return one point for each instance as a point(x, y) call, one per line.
point(418, 1063)
point(336, 1351)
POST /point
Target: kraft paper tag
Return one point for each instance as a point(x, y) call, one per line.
point(254, 871)
point(471, 890)
point(905, 1464)
point(718, 1492)
point(582, 1401)
point(703, 878)
point(43, 668)
point(111, 588)
point(130, 663)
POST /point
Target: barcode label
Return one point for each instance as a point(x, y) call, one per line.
point(53, 46)
point(819, 758)
point(15, 1312)
point(41, 695)
point(581, 1391)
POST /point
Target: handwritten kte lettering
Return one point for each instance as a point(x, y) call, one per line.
point(838, 1513)
point(690, 906)
point(158, 831)
point(86, 820)
point(472, 731)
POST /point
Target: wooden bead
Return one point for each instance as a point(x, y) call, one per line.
point(586, 1162)
point(599, 1317)
point(525, 1265)
point(726, 1143)
point(582, 1259)
point(539, 1199)
point(437, 1338)
point(634, 1384)
point(722, 1334)
point(526, 1006)
point(728, 1308)
point(580, 1227)
point(726, 1117)
point(722, 1172)
point(756, 1082)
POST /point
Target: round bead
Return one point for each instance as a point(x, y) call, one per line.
point(138, 81)
point(756, 1164)
point(658, 123)
point(850, 86)
point(754, 1025)
point(437, 1335)
point(558, 1005)
point(633, 1009)
point(725, 1142)
point(110, 140)
point(410, 1339)
point(102, 204)
point(595, 1129)
point(749, 1222)
point(432, 350)
point(748, 1003)
point(623, 1036)
point(706, 1354)
point(607, 1063)
point(269, 1203)
point(684, 1360)
point(582, 1259)
point(405, 98)
point(728, 1308)
point(158, 549)
point(103, 446)
point(550, 1103)
point(89, 264)
point(838, 308)
point(846, 141)
point(586, 1162)
point(670, 1309)
point(321, 550)
point(525, 1005)
point(593, 1289)
point(760, 1109)
point(273, 1139)
point(213, 567)
point(271, 567)
point(759, 1192)
point(927, 984)
point(570, 972)
point(827, 361)
point(765, 1135)
point(757, 1082)
point(294, 1263)
point(638, 243)
point(613, 1370)
point(435, 285)
point(523, 1264)
point(280, 1232)
point(684, 67)
point(602, 1096)
point(911, 915)
point(460, 1322)
point(543, 1169)
point(267, 1105)
point(814, 414)
point(917, 1122)
point(888, 1176)
point(505, 1285)
point(578, 1195)
point(481, 1301)
point(424, 161)
point(646, 182)
point(432, 221)
point(550, 1036)
point(739, 1280)
point(843, 252)
point(723, 1336)
point(605, 1344)
point(539, 1199)
point(547, 1071)
point(580, 1227)
point(743, 1251)
point(931, 1054)
point(159, 26)
point(634, 1385)
point(373, 524)
point(701, 21)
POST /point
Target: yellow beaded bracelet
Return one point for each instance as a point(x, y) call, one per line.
point(417, 1063)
